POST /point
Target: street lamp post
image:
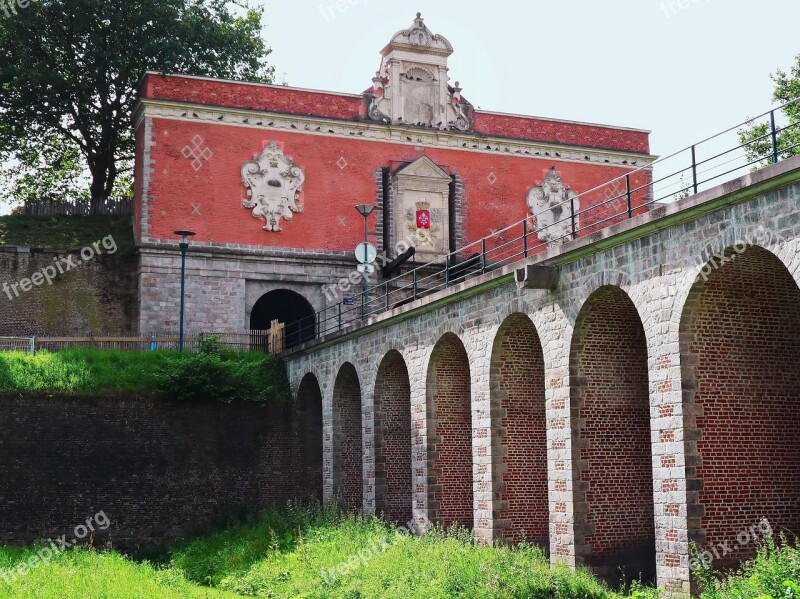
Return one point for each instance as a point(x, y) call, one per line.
point(365, 210)
point(184, 245)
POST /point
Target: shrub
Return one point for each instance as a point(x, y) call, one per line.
point(226, 377)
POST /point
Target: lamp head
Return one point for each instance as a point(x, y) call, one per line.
point(365, 209)
point(184, 235)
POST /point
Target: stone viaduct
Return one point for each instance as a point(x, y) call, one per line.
point(648, 401)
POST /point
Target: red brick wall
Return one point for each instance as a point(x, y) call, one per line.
point(348, 464)
point(351, 107)
point(450, 445)
point(308, 436)
point(517, 383)
point(393, 439)
point(269, 98)
point(209, 200)
point(741, 363)
point(611, 401)
point(575, 134)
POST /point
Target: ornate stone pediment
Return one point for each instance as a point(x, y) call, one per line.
point(549, 203)
point(411, 86)
point(274, 184)
point(417, 37)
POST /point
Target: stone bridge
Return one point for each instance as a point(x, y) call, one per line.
point(648, 401)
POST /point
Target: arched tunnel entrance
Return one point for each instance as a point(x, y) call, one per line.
point(289, 308)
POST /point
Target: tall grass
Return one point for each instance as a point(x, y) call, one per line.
point(317, 554)
point(314, 553)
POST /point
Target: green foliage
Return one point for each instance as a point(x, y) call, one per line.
point(67, 231)
point(302, 552)
point(48, 169)
point(227, 377)
point(299, 553)
point(773, 574)
point(68, 76)
point(89, 574)
point(787, 88)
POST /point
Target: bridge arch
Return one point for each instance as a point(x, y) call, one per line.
point(307, 436)
point(739, 348)
point(348, 450)
point(519, 432)
point(612, 444)
point(449, 411)
point(393, 487)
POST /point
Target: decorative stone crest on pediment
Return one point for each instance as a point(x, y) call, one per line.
point(274, 184)
point(412, 85)
point(421, 216)
point(549, 204)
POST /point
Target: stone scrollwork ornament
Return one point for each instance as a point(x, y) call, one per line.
point(549, 204)
point(274, 184)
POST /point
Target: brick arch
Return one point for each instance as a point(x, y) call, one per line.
point(307, 435)
point(519, 433)
point(393, 439)
point(449, 411)
point(348, 452)
point(739, 347)
point(612, 451)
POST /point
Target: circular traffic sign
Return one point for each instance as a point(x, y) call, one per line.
point(366, 253)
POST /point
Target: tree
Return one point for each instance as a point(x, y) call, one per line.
point(69, 68)
point(758, 135)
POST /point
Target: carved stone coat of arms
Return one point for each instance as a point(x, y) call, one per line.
point(274, 184)
point(549, 203)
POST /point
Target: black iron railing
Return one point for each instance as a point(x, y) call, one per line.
point(617, 200)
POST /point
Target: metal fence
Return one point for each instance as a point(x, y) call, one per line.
point(249, 340)
point(688, 171)
point(120, 207)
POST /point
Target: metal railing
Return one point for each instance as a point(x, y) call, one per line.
point(248, 340)
point(697, 167)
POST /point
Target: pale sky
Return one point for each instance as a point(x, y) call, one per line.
point(684, 73)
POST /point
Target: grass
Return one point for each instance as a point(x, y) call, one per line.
point(291, 553)
point(66, 231)
point(310, 553)
point(218, 375)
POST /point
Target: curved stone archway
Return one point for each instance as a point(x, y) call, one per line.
point(307, 434)
point(612, 444)
point(393, 487)
point(740, 363)
point(450, 434)
point(348, 450)
point(519, 433)
point(289, 308)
